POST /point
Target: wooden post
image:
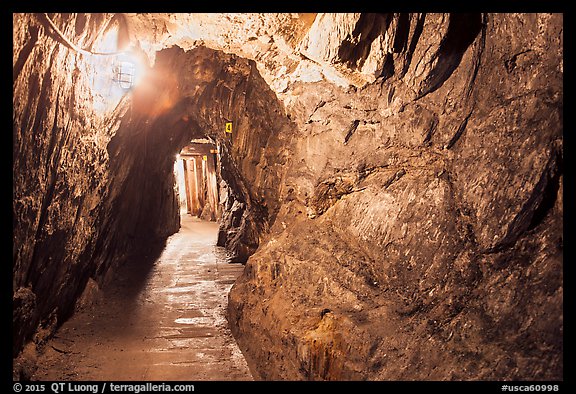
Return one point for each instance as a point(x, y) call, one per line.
point(199, 176)
point(212, 185)
point(187, 187)
point(192, 188)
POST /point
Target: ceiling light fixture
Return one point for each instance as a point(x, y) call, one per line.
point(124, 74)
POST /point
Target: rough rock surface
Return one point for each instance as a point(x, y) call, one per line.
point(427, 209)
point(59, 149)
point(396, 179)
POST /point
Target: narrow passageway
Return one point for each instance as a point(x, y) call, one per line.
point(158, 320)
point(393, 183)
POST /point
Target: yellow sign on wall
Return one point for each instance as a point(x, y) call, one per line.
point(205, 158)
point(229, 127)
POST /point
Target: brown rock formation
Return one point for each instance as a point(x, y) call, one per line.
point(434, 215)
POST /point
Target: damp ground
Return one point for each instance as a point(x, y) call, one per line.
point(162, 319)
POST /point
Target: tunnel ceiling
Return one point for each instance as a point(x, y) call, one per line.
point(393, 182)
point(344, 49)
point(269, 39)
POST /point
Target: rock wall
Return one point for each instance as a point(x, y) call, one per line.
point(421, 231)
point(61, 129)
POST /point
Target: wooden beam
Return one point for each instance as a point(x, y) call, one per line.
point(186, 187)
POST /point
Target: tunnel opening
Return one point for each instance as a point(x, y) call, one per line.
point(197, 128)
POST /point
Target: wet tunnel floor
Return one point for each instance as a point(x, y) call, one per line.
point(161, 322)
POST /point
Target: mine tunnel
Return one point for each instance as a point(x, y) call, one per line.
point(320, 196)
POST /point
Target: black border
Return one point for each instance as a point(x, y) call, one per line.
point(556, 6)
point(334, 6)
